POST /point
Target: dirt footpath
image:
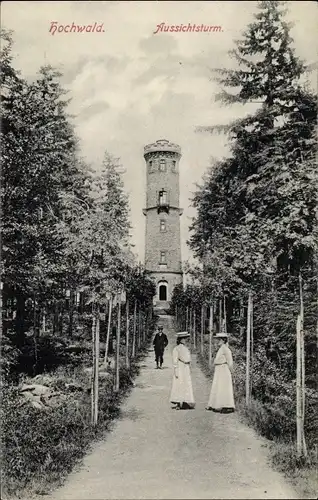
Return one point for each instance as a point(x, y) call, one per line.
point(155, 452)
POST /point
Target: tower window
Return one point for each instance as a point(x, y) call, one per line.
point(162, 166)
point(162, 197)
point(163, 258)
point(151, 166)
point(162, 226)
point(173, 166)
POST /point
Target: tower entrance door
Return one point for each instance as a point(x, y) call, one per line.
point(163, 292)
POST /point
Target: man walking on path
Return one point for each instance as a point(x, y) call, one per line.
point(160, 343)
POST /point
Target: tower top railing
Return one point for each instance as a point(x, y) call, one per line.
point(162, 145)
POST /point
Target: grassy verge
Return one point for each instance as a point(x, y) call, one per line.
point(41, 446)
point(275, 420)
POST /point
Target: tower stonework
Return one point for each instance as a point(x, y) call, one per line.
point(163, 245)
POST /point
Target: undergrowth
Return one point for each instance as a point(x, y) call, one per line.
point(272, 413)
point(40, 447)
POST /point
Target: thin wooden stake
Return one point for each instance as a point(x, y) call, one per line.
point(139, 327)
point(224, 314)
point(202, 328)
point(93, 367)
point(187, 318)
point(252, 345)
point(96, 367)
point(127, 332)
point(302, 360)
point(194, 330)
point(134, 330)
point(248, 350)
point(210, 334)
point(117, 359)
point(109, 324)
point(298, 389)
point(191, 325)
point(220, 315)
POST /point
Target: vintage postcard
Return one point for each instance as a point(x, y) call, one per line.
point(159, 249)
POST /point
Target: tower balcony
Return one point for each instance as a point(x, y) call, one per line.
point(163, 207)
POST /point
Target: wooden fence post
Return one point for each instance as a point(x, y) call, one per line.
point(300, 378)
point(93, 365)
point(187, 318)
point(139, 327)
point(117, 359)
point(109, 324)
point(127, 332)
point(248, 350)
point(96, 378)
point(210, 333)
point(134, 330)
point(194, 330)
point(202, 328)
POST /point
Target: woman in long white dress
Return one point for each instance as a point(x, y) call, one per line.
point(181, 391)
point(221, 396)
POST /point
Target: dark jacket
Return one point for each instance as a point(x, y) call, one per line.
point(160, 342)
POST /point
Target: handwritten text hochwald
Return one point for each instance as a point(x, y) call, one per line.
point(76, 28)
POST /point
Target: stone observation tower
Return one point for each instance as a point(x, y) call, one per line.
point(163, 249)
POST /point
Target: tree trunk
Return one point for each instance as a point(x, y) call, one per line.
point(55, 317)
point(241, 319)
point(225, 315)
point(44, 321)
point(71, 314)
point(61, 313)
point(20, 317)
point(220, 315)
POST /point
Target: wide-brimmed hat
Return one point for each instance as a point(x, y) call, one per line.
point(181, 335)
point(221, 335)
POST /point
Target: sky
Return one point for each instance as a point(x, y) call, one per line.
point(130, 86)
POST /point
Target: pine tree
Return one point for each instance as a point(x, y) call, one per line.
point(271, 175)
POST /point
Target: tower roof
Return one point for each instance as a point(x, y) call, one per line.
point(162, 145)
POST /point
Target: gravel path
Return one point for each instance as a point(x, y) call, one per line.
point(154, 452)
